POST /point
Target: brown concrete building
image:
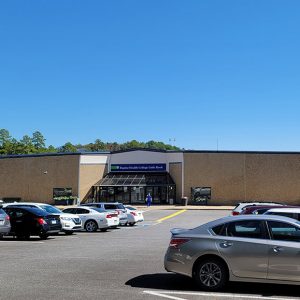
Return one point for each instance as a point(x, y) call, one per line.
point(212, 177)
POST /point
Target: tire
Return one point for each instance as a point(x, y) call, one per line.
point(103, 229)
point(90, 226)
point(131, 224)
point(69, 232)
point(211, 274)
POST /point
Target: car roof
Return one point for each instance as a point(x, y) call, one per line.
point(25, 203)
point(33, 210)
point(287, 209)
point(249, 217)
point(257, 207)
point(103, 203)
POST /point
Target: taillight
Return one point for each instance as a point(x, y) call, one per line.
point(235, 213)
point(7, 218)
point(41, 221)
point(175, 243)
point(109, 216)
point(133, 213)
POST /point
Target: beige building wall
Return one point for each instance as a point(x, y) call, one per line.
point(88, 176)
point(236, 177)
point(33, 178)
point(175, 170)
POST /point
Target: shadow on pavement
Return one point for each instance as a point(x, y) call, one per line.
point(175, 282)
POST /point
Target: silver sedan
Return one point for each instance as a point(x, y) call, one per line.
point(4, 223)
point(242, 248)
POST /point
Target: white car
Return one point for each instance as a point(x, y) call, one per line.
point(134, 215)
point(94, 218)
point(69, 222)
point(111, 207)
point(290, 212)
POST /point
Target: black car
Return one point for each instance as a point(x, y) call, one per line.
point(27, 221)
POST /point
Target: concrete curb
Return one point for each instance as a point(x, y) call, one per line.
point(169, 207)
point(180, 207)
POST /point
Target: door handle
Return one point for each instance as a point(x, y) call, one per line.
point(226, 244)
point(277, 249)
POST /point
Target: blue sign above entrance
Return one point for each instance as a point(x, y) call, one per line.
point(138, 167)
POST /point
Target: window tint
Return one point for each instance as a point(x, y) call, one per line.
point(282, 231)
point(246, 229)
point(284, 214)
point(81, 211)
point(69, 210)
point(218, 230)
point(50, 209)
point(110, 206)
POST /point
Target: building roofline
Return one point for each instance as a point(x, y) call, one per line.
point(240, 152)
point(151, 150)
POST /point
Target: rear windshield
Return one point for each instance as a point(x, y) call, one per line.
point(120, 206)
point(50, 209)
point(34, 210)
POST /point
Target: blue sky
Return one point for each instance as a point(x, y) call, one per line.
point(197, 71)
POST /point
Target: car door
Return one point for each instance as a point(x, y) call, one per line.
point(18, 222)
point(82, 213)
point(245, 246)
point(284, 251)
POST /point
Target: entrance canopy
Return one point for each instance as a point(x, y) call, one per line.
point(136, 179)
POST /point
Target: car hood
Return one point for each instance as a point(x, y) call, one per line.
point(68, 215)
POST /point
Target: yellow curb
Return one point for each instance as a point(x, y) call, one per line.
point(171, 216)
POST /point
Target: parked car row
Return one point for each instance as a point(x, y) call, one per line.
point(26, 219)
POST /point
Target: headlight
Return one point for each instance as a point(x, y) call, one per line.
point(66, 219)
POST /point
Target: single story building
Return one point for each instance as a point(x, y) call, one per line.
point(204, 177)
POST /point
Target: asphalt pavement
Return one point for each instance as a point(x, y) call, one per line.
point(125, 263)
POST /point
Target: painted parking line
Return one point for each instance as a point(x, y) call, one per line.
point(173, 295)
point(20, 242)
point(171, 216)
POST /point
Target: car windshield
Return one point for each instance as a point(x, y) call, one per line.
point(50, 209)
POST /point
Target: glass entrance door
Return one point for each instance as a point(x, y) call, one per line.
point(137, 194)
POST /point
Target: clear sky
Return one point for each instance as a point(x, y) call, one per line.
point(197, 71)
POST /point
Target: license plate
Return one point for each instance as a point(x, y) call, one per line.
point(53, 222)
point(1, 222)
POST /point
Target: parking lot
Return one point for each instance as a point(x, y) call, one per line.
point(124, 263)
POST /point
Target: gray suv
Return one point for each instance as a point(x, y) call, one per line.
point(112, 207)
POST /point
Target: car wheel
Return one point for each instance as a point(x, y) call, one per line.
point(43, 236)
point(131, 224)
point(69, 232)
point(211, 274)
point(103, 229)
point(91, 226)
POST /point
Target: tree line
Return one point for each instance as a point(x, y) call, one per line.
point(36, 143)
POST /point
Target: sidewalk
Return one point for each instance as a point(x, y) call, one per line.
point(170, 207)
point(180, 207)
